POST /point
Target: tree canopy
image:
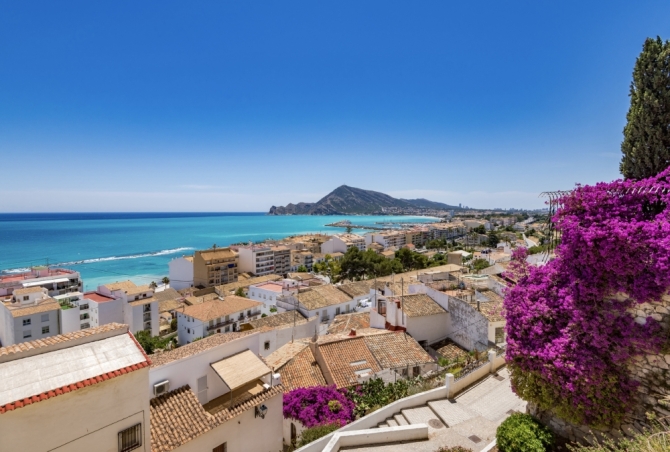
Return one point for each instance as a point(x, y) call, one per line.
point(646, 142)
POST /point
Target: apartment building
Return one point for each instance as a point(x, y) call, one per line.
point(94, 381)
point(214, 267)
point(258, 260)
point(181, 272)
point(387, 239)
point(57, 281)
point(139, 307)
point(29, 315)
point(340, 243)
point(215, 316)
point(282, 260)
point(301, 258)
point(417, 236)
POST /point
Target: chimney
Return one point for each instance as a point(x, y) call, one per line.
point(352, 332)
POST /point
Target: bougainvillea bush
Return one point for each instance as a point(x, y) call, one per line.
point(318, 405)
point(570, 337)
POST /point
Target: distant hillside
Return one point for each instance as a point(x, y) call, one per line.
point(345, 200)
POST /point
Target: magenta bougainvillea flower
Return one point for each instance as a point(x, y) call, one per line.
point(314, 406)
point(571, 334)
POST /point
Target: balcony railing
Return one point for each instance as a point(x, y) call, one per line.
point(147, 317)
point(220, 324)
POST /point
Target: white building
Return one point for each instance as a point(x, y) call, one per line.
point(280, 329)
point(340, 243)
point(387, 239)
point(101, 393)
point(423, 316)
point(218, 395)
point(57, 281)
point(29, 315)
point(215, 316)
point(140, 309)
point(324, 301)
point(257, 259)
point(181, 272)
point(267, 293)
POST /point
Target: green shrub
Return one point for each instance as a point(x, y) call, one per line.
point(314, 433)
point(453, 449)
point(522, 433)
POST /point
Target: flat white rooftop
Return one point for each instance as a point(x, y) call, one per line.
point(33, 375)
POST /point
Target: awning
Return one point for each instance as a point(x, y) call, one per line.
point(240, 369)
point(48, 281)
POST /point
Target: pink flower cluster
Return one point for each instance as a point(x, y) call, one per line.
point(570, 338)
point(312, 407)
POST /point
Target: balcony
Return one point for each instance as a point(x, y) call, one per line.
point(325, 319)
point(220, 324)
point(147, 317)
point(146, 308)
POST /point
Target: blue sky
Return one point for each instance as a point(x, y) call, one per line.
point(236, 106)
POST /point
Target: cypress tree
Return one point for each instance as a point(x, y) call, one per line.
point(646, 142)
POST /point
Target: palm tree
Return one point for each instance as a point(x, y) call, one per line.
point(153, 285)
point(165, 280)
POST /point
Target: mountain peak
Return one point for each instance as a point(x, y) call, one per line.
point(346, 200)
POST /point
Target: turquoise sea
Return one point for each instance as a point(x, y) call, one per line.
point(108, 247)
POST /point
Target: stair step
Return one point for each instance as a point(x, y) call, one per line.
point(423, 415)
point(400, 419)
point(382, 424)
point(391, 422)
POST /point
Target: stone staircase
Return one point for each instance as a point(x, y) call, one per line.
point(468, 420)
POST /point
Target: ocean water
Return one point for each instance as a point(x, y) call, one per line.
point(108, 247)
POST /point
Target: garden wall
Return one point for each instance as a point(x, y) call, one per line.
point(653, 373)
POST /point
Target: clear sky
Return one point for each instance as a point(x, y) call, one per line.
point(236, 106)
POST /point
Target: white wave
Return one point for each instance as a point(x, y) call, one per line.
point(104, 259)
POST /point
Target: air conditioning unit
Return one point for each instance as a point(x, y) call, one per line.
point(161, 388)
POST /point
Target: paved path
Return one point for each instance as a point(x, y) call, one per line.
point(470, 420)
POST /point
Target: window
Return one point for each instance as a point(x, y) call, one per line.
point(26, 322)
point(26, 298)
point(221, 448)
point(416, 370)
point(267, 345)
point(45, 330)
point(500, 335)
point(130, 438)
point(27, 334)
point(337, 311)
point(227, 328)
point(83, 307)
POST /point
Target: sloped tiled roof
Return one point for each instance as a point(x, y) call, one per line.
point(138, 290)
point(302, 371)
point(344, 358)
point(213, 309)
point(177, 417)
point(358, 288)
point(396, 350)
point(344, 323)
point(45, 305)
point(318, 297)
point(226, 289)
point(450, 350)
point(123, 285)
point(417, 305)
point(278, 320)
point(28, 290)
point(44, 345)
point(284, 354)
point(204, 344)
point(168, 294)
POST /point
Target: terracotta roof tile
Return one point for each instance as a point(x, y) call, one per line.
point(36, 346)
point(123, 285)
point(321, 297)
point(344, 358)
point(213, 309)
point(28, 290)
point(278, 320)
point(302, 371)
point(343, 323)
point(45, 305)
point(177, 417)
point(397, 350)
point(160, 359)
point(417, 305)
